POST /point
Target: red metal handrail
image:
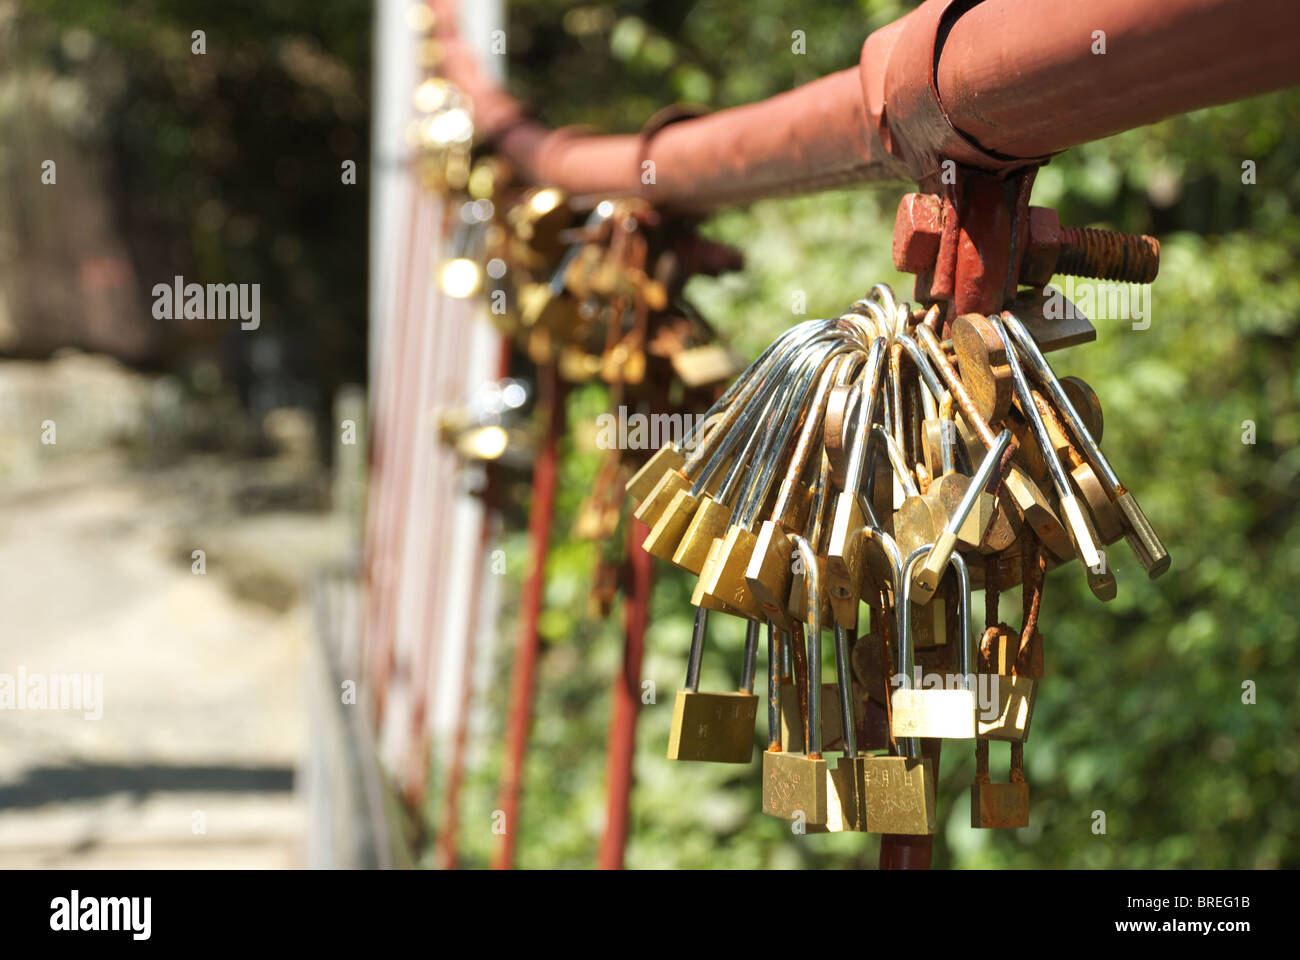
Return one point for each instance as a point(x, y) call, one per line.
point(995, 85)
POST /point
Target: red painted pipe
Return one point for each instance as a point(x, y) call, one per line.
point(1028, 87)
point(626, 700)
point(540, 514)
point(1016, 81)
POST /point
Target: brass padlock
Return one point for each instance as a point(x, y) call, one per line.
point(795, 784)
point(883, 794)
point(999, 805)
point(920, 712)
point(700, 599)
point(774, 430)
point(714, 727)
point(898, 794)
point(695, 516)
point(666, 458)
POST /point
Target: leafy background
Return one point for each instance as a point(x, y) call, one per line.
point(1142, 713)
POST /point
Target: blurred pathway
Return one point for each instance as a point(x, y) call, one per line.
point(192, 763)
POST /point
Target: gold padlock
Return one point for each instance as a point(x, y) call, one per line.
point(713, 727)
point(775, 425)
point(795, 784)
point(668, 457)
point(920, 712)
point(695, 516)
point(999, 805)
point(898, 794)
point(882, 794)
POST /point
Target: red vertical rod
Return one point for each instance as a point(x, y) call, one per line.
point(899, 852)
point(541, 509)
point(626, 700)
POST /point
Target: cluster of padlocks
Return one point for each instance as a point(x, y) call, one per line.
point(877, 459)
point(592, 292)
point(597, 291)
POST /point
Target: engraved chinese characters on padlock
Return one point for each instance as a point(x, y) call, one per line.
point(900, 795)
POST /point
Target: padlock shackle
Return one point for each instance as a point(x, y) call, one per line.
point(812, 597)
point(934, 389)
point(911, 746)
point(696, 656)
point(814, 414)
point(1030, 409)
point(896, 460)
point(892, 552)
point(983, 474)
point(814, 369)
point(749, 660)
point(1141, 537)
point(1045, 375)
point(754, 382)
point(844, 686)
point(874, 311)
point(1074, 518)
point(773, 690)
point(965, 653)
point(775, 411)
point(871, 387)
point(744, 427)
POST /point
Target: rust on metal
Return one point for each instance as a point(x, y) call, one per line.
point(1108, 255)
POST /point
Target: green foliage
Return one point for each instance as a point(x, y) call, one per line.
point(1142, 714)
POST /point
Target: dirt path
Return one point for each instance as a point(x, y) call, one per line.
point(203, 711)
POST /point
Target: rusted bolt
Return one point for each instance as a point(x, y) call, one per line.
point(1051, 248)
point(1109, 255)
point(918, 226)
point(1082, 252)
